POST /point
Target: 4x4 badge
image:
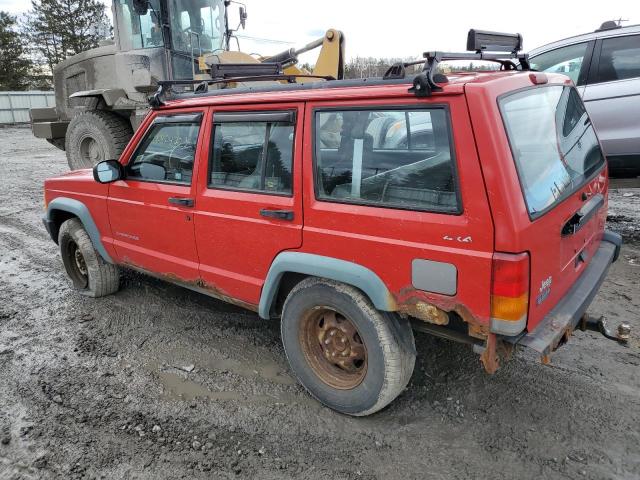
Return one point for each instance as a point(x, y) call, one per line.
point(460, 239)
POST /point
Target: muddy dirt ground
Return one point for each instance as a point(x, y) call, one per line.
point(158, 382)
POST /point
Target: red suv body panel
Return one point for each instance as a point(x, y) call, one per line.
point(386, 240)
point(148, 232)
point(237, 243)
point(225, 245)
point(553, 257)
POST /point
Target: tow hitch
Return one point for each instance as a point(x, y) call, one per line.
point(600, 325)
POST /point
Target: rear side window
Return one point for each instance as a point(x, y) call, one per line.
point(252, 155)
point(553, 143)
point(168, 151)
point(619, 59)
point(395, 158)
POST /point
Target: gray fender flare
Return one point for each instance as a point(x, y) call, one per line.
point(81, 211)
point(325, 267)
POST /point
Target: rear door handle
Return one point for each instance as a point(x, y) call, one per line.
point(183, 202)
point(582, 216)
point(279, 214)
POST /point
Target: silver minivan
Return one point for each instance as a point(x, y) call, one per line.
point(605, 66)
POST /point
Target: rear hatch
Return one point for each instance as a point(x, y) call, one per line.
point(562, 175)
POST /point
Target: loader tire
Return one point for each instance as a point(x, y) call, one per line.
point(95, 136)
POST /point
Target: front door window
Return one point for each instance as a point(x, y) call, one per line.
point(168, 151)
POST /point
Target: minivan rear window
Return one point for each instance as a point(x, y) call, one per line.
point(553, 143)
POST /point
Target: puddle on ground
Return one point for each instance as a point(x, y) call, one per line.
point(266, 370)
point(176, 387)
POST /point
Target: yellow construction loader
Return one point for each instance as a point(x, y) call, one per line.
point(102, 94)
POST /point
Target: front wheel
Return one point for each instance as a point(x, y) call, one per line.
point(89, 273)
point(348, 355)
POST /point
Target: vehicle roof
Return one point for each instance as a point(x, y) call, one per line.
point(585, 37)
point(331, 90)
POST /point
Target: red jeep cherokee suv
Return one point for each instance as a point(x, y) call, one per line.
point(471, 207)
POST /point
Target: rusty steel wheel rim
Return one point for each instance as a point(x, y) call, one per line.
point(333, 348)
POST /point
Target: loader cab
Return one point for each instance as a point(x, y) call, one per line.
point(182, 30)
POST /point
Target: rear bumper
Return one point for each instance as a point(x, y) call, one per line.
point(564, 317)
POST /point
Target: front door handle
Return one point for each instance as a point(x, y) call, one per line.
point(183, 202)
point(279, 214)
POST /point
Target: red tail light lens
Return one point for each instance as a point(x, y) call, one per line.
point(510, 287)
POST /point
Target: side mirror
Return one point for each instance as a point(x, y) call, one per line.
point(141, 7)
point(108, 171)
point(243, 17)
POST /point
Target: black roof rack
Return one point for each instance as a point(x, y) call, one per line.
point(202, 86)
point(489, 46)
point(484, 46)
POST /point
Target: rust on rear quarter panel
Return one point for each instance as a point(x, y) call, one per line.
point(436, 309)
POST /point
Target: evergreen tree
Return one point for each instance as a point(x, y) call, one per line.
point(14, 74)
point(57, 29)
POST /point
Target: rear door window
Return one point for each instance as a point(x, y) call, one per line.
point(619, 59)
point(553, 143)
point(253, 154)
point(394, 158)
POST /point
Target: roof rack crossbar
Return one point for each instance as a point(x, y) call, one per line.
point(202, 86)
point(424, 84)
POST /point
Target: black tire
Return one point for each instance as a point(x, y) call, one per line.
point(387, 339)
point(88, 271)
point(94, 136)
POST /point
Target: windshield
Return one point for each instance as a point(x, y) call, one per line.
point(197, 25)
point(553, 143)
point(138, 31)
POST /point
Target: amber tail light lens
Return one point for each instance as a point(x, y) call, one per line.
point(510, 287)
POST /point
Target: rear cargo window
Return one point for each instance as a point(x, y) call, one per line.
point(394, 158)
point(553, 143)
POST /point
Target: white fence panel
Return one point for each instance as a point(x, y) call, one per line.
point(14, 106)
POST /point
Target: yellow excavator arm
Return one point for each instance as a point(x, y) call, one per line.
point(330, 60)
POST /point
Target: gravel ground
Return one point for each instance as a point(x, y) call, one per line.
point(159, 382)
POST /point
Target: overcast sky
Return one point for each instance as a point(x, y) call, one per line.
point(404, 28)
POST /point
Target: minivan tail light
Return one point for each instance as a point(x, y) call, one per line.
point(509, 293)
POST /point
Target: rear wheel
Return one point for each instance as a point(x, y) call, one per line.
point(88, 271)
point(95, 136)
point(348, 355)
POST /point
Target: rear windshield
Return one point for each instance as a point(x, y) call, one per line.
point(553, 143)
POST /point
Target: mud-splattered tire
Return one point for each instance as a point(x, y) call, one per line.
point(94, 136)
point(89, 273)
point(359, 368)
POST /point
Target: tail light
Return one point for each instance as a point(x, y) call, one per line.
point(509, 293)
